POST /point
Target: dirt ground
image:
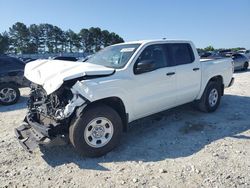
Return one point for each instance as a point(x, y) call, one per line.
point(177, 148)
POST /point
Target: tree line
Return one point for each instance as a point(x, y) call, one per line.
point(48, 38)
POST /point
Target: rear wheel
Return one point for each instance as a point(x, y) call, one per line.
point(211, 97)
point(9, 94)
point(245, 67)
point(97, 131)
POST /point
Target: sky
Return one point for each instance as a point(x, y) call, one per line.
point(220, 23)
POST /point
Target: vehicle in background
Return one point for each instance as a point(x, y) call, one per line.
point(29, 60)
point(245, 52)
point(84, 59)
point(206, 54)
point(26, 59)
point(93, 102)
point(213, 55)
point(65, 58)
point(241, 62)
point(11, 79)
point(225, 53)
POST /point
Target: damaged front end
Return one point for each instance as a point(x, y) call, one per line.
point(49, 116)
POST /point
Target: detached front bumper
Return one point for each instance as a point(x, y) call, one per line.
point(31, 134)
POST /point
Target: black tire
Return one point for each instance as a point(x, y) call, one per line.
point(204, 104)
point(78, 128)
point(16, 95)
point(245, 67)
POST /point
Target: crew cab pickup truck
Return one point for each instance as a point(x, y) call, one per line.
point(93, 101)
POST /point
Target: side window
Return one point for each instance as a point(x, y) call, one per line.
point(156, 54)
point(181, 53)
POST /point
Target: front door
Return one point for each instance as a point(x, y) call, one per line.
point(154, 91)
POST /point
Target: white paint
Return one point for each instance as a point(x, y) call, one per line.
point(142, 94)
point(52, 73)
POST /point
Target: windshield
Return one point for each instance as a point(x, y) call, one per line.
point(114, 56)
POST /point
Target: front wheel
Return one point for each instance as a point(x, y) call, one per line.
point(97, 131)
point(211, 97)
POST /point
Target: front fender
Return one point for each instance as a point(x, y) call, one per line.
point(94, 91)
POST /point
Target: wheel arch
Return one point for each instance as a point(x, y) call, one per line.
point(117, 104)
point(218, 79)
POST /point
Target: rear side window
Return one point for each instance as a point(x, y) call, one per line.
point(181, 53)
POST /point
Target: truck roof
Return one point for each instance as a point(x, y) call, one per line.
point(155, 41)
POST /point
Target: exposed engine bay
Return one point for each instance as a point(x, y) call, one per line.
point(56, 106)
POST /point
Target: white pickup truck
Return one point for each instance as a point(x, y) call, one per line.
point(93, 101)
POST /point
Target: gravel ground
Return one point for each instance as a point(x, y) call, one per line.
point(177, 148)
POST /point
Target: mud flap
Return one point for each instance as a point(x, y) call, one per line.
point(29, 138)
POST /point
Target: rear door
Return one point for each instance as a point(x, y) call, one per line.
point(188, 72)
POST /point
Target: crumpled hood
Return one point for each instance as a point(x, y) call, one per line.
point(52, 73)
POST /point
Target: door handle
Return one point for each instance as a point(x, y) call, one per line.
point(196, 69)
point(170, 73)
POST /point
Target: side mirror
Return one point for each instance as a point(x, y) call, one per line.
point(145, 66)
